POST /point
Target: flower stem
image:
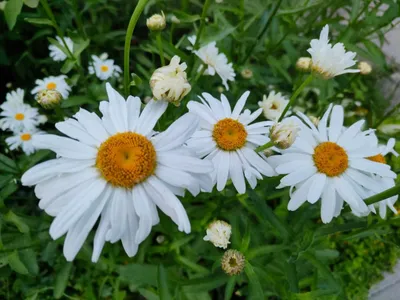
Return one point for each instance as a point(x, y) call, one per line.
point(79, 22)
point(202, 23)
point(265, 146)
point(129, 32)
point(383, 195)
point(160, 47)
point(294, 96)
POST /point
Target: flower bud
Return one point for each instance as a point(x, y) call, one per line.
point(365, 68)
point(246, 73)
point(284, 134)
point(303, 64)
point(170, 83)
point(233, 262)
point(49, 99)
point(156, 22)
point(219, 233)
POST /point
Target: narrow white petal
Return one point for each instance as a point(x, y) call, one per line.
point(236, 173)
point(316, 188)
point(328, 204)
point(142, 205)
point(240, 105)
point(150, 115)
point(336, 123)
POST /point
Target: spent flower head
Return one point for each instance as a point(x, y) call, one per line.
point(219, 232)
point(233, 262)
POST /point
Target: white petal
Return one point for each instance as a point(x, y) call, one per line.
point(100, 236)
point(300, 195)
point(236, 173)
point(201, 111)
point(117, 109)
point(239, 105)
point(150, 115)
point(336, 123)
point(133, 106)
point(328, 204)
point(257, 162)
point(222, 165)
point(184, 163)
point(142, 203)
point(128, 239)
point(298, 176)
point(373, 167)
point(316, 188)
point(118, 208)
point(226, 106)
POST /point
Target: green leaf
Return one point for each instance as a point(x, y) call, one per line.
point(136, 80)
point(205, 284)
point(5, 179)
point(80, 46)
point(162, 282)
point(184, 17)
point(8, 190)
point(28, 257)
point(58, 45)
point(299, 8)
point(255, 289)
point(7, 164)
point(354, 10)
point(39, 21)
point(62, 280)
point(11, 12)
point(16, 264)
point(230, 286)
point(31, 3)
point(263, 250)
point(67, 66)
point(75, 101)
point(12, 218)
point(139, 274)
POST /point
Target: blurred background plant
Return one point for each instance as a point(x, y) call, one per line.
point(289, 255)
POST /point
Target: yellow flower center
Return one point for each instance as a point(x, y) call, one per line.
point(229, 134)
point(51, 85)
point(126, 159)
point(19, 116)
point(26, 137)
point(330, 159)
point(378, 158)
point(104, 68)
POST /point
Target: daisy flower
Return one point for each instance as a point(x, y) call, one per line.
point(57, 83)
point(16, 96)
point(226, 138)
point(330, 61)
point(17, 116)
point(56, 53)
point(116, 168)
point(329, 162)
point(216, 62)
point(104, 68)
point(273, 106)
point(23, 139)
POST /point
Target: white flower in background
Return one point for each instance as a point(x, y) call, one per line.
point(246, 73)
point(227, 139)
point(16, 115)
point(365, 68)
point(23, 140)
point(116, 167)
point(170, 83)
point(156, 22)
point(330, 61)
point(16, 96)
point(329, 162)
point(303, 64)
point(56, 53)
point(273, 106)
point(390, 129)
point(57, 83)
point(283, 134)
point(104, 68)
point(219, 232)
point(216, 62)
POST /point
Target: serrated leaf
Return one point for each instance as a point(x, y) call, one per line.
point(162, 282)
point(39, 21)
point(255, 289)
point(16, 264)
point(11, 12)
point(61, 282)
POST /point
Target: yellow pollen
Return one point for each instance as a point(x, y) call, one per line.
point(378, 158)
point(19, 116)
point(26, 137)
point(51, 86)
point(126, 159)
point(229, 134)
point(330, 159)
point(104, 68)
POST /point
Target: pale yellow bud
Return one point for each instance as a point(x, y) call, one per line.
point(219, 232)
point(246, 73)
point(156, 22)
point(284, 134)
point(304, 64)
point(365, 68)
point(233, 262)
point(49, 99)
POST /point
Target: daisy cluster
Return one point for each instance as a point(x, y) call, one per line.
point(22, 120)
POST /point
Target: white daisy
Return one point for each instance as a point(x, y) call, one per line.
point(16, 96)
point(23, 139)
point(330, 61)
point(56, 53)
point(57, 83)
point(104, 68)
point(216, 62)
point(273, 106)
point(329, 162)
point(118, 168)
point(16, 115)
point(227, 139)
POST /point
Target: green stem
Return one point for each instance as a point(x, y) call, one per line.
point(79, 22)
point(389, 113)
point(265, 146)
point(291, 273)
point(383, 195)
point(202, 23)
point(160, 47)
point(129, 32)
point(262, 32)
point(294, 96)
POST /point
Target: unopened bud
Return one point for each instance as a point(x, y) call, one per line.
point(304, 64)
point(233, 262)
point(364, 67)
point(156, 22)
point(284, 134)
point(49, 99)
point(246, 73)
point(219, 233)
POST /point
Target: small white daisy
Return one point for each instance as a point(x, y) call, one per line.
point(104, 68)
point(57, 83)
point(23, 139)
point(273, 106)
point(329, 162)
point(219, 232)
point(216, 62)
point(330, 61)
point(16, 96)
point(118, 168)
point(227, 139)
point(16, 115)
point(56, 53)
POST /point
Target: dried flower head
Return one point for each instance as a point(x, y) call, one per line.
point(219, 232)
point(233, 262)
